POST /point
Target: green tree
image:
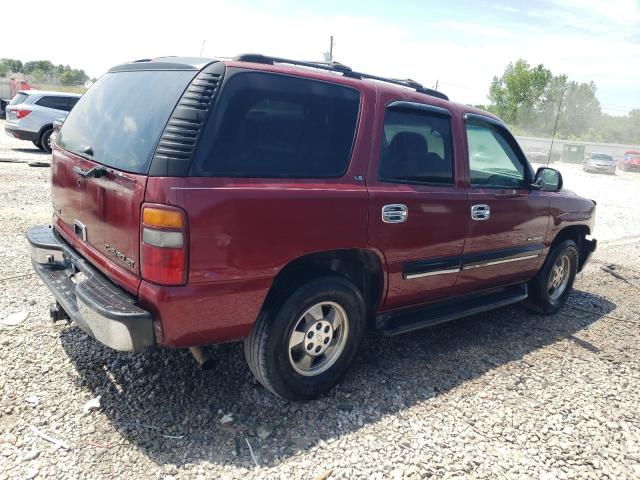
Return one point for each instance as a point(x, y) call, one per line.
point(11, 64)
point(44, 66)
point(517, 93)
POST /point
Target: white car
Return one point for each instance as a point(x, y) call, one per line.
point(32, 113)
point(599, 162)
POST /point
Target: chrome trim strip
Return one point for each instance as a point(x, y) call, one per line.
point(431, 273)
point(498, 262)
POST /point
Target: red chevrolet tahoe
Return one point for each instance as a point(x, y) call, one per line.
point(294, 205)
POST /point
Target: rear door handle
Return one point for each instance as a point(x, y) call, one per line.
point(395, 213)
point(480, 212)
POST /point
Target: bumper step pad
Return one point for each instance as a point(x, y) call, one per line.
point(94, 303)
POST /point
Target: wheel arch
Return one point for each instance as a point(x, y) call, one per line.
point(577, 233)
point(363, 267)
point(43, 129)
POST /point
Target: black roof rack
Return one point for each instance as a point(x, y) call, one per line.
point(339, 68)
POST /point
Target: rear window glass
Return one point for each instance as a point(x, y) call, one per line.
point(121, 117)
point(19, 98)
point(269, 125)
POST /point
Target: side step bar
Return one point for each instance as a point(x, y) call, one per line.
point(395, 323)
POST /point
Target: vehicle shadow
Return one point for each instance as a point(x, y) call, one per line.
point(30, 150)
point(171, 410)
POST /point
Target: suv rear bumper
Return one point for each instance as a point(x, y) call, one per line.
point(21, 134)
point(95, 304)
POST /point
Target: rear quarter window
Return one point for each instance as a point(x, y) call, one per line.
point(19, 98)
point(270, 125)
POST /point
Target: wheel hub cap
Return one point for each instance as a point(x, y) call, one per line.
point(559, 277)
point(318, 338)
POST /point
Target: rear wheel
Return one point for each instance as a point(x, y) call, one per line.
point(549, 290)
point(45, 140)
point(306, 345)
point(37, 144)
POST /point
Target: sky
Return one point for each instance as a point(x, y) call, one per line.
point(460, 45)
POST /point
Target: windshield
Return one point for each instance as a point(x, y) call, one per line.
point(601, 156)
point(120, 119)
point(19, 98)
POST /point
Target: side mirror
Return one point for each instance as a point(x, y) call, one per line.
point(548, 180)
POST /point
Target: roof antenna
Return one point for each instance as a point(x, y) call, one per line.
point(553, 137)
point(202, 48)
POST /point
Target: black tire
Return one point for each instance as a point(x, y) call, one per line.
point(544, 299)
point(37, 144)
point(45, 145)
point(267, 347)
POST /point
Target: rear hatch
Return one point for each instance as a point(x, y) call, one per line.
point(101, 160)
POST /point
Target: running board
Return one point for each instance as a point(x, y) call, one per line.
point(395, 323)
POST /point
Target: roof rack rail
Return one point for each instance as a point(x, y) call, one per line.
point(339, 68)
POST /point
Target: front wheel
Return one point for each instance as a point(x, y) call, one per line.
point(306, 345)
point(549, 290)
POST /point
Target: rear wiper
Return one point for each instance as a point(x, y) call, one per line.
point(95, 172)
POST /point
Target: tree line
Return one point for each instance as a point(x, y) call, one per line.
point(44, 71)
point(529, 98)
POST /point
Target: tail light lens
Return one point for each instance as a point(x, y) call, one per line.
point(164, 245)
point(22, 112)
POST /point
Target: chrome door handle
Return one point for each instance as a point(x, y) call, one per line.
point(395, 213)
point(480, 212)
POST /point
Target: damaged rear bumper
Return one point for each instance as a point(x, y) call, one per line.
point(94, 303)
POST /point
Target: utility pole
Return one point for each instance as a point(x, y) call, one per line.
point(553, 137)
point(331, 49)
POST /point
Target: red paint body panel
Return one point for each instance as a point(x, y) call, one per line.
point(435, 226)
point(108, 206)
point(242, 232)
point(518, 218)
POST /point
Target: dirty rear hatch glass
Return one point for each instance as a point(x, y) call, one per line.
point(117, 123)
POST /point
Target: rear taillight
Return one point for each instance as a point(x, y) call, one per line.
point(164, 242)
point(22, 112)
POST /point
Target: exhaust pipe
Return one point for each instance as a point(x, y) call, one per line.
point(204, 360)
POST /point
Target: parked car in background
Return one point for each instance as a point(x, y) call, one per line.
point(199, 201)
point(631, 161)
point(540, 155)
point(31, 114)
point(599, 162)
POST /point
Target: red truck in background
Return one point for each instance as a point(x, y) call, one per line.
point(8, 90)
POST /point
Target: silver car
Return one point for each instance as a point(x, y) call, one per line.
point(31, 114)
point(599, 162)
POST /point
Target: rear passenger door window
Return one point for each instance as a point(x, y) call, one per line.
point(276, 126)
point(416, 145)
point(57, 103)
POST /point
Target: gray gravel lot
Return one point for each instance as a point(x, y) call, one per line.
point(507, 394)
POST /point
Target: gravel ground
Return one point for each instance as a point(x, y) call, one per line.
point(507, 394)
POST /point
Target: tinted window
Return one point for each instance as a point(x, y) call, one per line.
point(72, 102)
point(601, 156)
point(57, 103)
point(416, 147)
point(122, 115)
point(492, 160)
point(19, 98)
point(268, 125)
